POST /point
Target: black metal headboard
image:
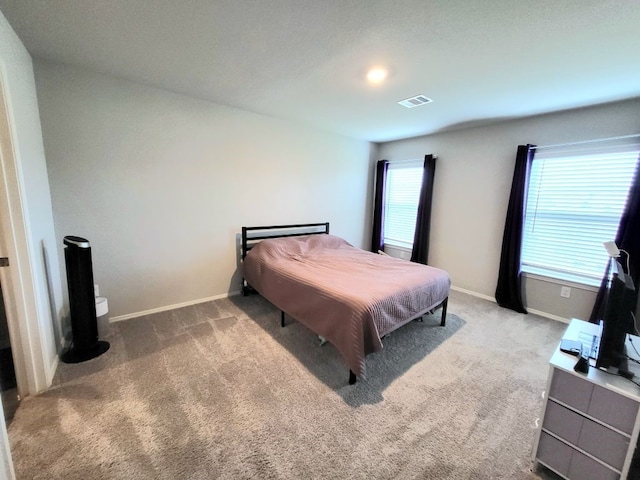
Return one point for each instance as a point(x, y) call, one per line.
point(254, 235)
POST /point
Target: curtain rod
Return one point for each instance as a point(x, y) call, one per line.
point(587, 141)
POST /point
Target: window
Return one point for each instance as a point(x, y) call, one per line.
point(404, 180)
point(574, 204)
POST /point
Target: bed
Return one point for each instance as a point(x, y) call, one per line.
point(348, 296)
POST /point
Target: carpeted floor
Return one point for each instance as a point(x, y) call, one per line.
point(220, 390)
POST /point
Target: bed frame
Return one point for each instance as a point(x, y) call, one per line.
point(251, 236)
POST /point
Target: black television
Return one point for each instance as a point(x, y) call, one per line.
point(618, 320)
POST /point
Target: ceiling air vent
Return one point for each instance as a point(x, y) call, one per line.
point(415, 101)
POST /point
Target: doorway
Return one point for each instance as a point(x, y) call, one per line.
point(8, 383)
point(12, 375)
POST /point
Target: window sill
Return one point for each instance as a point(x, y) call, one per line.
point(558, 281)
point(405, 247)
point(398, 252)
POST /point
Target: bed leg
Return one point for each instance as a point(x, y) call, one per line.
point(352, 377)
point(282, 318)
point(443, 320)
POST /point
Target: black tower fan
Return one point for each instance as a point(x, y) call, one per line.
point(84, 324)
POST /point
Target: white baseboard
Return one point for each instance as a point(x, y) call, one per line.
point(51, 371)
point(540, 313)
point(474, 294)
point(550, 316)
point(128, 316)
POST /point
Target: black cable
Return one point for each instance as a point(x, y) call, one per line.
point(634, 347)
point(634, 360)
point(623, 376)
point(635, 324)
point(634, 382)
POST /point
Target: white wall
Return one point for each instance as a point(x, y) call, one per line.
point(473, 179)
point(37, 293)
point(161, 184)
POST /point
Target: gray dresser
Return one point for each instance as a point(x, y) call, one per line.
point(590, 423)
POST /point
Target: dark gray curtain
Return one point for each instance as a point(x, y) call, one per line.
point(377, 236)
point(509, 288)
point(628, 239)
point(420, 252)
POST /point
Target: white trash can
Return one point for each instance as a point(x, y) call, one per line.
point(102, 314)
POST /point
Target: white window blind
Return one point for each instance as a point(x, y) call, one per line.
point(404, 180)
point(574, 204)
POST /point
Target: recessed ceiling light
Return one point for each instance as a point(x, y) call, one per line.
point(377, 75)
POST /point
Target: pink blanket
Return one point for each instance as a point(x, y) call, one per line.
point(349, 296)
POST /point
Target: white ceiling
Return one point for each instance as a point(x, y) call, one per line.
point(305, 60)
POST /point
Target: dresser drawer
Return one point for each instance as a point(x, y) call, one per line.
point(570, 463)
point(563, 422)
point(613, 409)
point(603, 443)
point(554, 454)
point(585, 468)
point(605, 405)
point(595, 439)
point(571, 390)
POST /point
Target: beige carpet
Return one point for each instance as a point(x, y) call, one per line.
point(219, 390)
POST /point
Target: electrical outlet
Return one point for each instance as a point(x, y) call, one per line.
point(565, 292)
point(96, 290)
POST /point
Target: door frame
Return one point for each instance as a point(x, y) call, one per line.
point(17, 279)
point(6, 157)
point(8, 248)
